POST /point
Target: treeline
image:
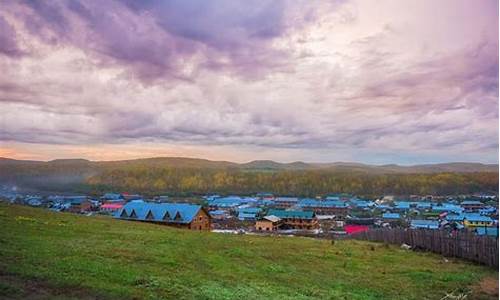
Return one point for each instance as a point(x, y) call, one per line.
point(181, 181)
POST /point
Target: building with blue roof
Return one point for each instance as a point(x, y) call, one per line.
point(424, 224)
point(489, 231)
point(455, 217)
point(248, 213)
point(362, 204)
point(112, 197)
point(401, 206)
point(295, 219)
point(424, 205)
point(182, 215)
point(391, 216)
point(284, 202)
point(228, 202)
point(447, 207)
point(477, 220)
point(219, 214)
point(471, 205)
point(325, 207)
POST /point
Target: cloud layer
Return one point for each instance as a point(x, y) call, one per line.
point(294, 80)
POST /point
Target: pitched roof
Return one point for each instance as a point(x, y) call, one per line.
point(281, 213)
point(272, 218)
point(176, 212)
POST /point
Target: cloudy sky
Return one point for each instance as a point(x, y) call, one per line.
point(369, 81)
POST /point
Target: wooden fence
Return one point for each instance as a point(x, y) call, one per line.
point(462, 244)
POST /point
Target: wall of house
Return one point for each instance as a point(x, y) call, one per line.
point(298, 223)
point(201, 221)
point(264, 225)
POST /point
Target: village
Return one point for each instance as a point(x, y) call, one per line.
point(264, 213)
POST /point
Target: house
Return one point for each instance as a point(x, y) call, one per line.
point(78, 204)
point(180, 215)
point(362, 204)
point(455, 217)
point(248, 213)
point(265, 196)
point(296, 219)
point(390, 217)
point(424, 224)
point(219, 214)
point(230, 202)
point(284, 202)
point(424, 205)
point(328, 207)
point(447, 207)
point(268, 223)
point(112, 197)
point(110, 207)
point(471, 205)
point(401, 206)
point(128, 197)
point(477, 220)
point(360, 220)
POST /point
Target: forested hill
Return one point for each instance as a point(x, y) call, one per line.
point(188, 175)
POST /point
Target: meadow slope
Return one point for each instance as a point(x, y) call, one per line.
point(45, 255)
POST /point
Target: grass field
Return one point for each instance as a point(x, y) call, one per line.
point(46, 255)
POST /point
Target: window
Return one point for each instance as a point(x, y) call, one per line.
point(200, 227)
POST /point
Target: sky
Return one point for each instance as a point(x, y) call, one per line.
point(379, 82)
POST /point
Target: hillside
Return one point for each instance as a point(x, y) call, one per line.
point(188, 176)
point(46, 255)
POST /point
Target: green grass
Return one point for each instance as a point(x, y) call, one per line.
point(68, 256)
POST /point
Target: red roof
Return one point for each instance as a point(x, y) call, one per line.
point(350, 229)
point(112, 206)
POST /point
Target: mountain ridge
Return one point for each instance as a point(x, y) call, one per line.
point(187, 162)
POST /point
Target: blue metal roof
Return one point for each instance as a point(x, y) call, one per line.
point(477, 218)
point(244, 216)
point(171, 212)
point(448, 208)
point(455, 217)
point(250, 210)
point(429, 224)
point(318, 203)
point(390, 216)
point(362, 203)
point(281, 213)
point(402, 205)
point(424, 205)
point(471, 202)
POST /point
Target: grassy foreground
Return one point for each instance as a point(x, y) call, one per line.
point(46, 255)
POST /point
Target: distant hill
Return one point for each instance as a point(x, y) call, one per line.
point(178, 175)
point(182, 162)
